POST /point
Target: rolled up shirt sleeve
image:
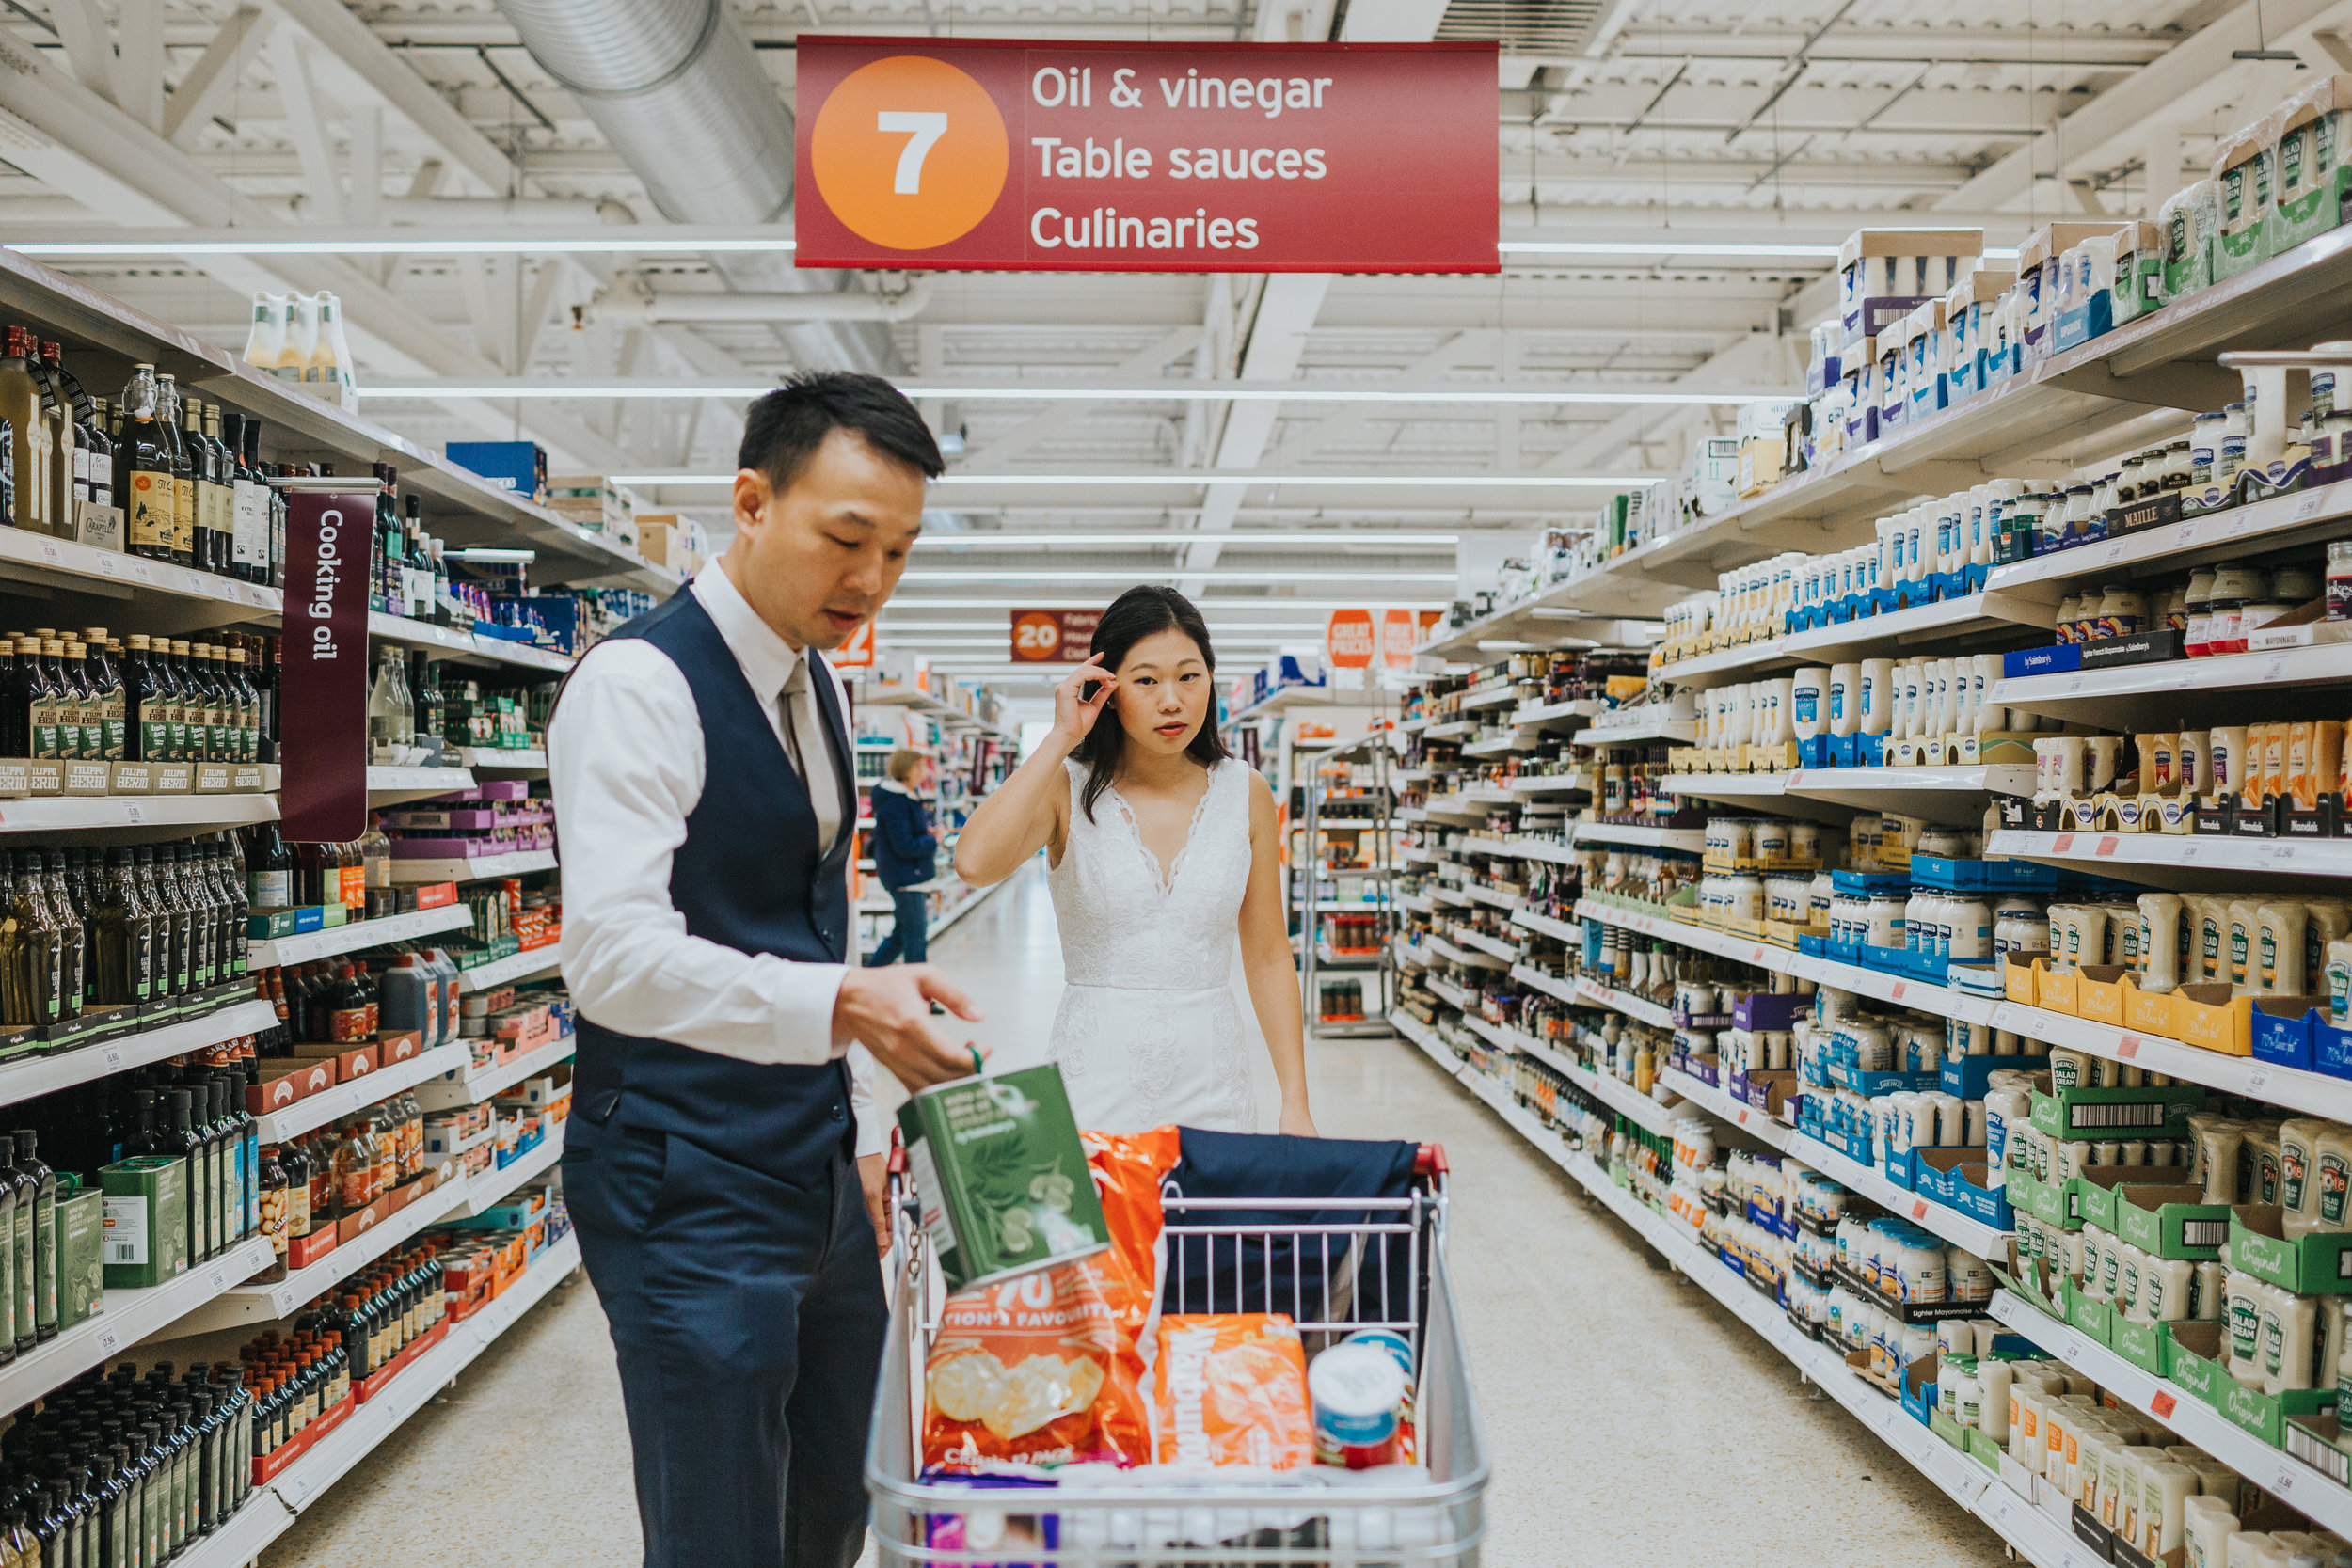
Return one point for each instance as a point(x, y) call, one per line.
point(625, 759)
point(873, 1126)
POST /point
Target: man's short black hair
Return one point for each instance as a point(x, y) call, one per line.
point(784, 429)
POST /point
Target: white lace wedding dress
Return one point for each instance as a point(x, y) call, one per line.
point(1152, 1027)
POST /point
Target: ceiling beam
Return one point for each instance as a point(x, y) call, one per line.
point(208, 85)
point(289, 56)
point(336, 30)
point(2193, 78)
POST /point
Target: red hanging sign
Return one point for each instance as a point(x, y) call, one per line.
point(1028, 156)
point(323, 681)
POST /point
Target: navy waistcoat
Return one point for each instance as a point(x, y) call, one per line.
point(750, 876)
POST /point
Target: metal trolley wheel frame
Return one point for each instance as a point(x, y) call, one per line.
point(1211, 1265)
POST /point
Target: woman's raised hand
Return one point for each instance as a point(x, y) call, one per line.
point(1073, 714)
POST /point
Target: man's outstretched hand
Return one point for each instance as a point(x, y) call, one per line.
point(889, 1011)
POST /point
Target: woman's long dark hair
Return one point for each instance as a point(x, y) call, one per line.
point(1139, 613)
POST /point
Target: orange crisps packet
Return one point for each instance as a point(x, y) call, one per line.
point(1231, 1390)
point(1048, 1368)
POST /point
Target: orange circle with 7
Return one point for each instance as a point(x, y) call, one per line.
point(909, 152)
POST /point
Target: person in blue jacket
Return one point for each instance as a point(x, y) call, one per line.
point(905, 839)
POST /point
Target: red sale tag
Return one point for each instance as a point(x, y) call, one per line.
point(1897, 995)
point(2128, 1048)
point(2106, 846)
point(2061, 844)
point(1919, 1210)
point(2162, 1405)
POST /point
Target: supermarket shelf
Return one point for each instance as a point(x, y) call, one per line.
point(1621, 1096)
point(68, 813)
point(273, 1509)
point(125, 1318)
point(1550, 783)
point(1689, 840)
point(473, 1085)
point(2314, 1093)
point(1499, 745)
point(1556, 713)
point(1494, 696)
point(1717, 1103)
point(1469, 959)
point(465, 644)
point(1928, 790)
point(1492, 899)
point(2299, 517)
point(1495, 946)
point(1949, 621)
point(1565, 930)
point(1550, 985)
point(2177, 859)
point(1425, 1037)
point(1647, 726)
point(882, 695)
point(1727, 786)
point(2135, 695)
point(492, 1187)
point(503, 759)
point(2034, 1535)
point(39, 1075)
point(1418, 902)
point(343, 1098)
point(1479, 844)
point(263, 1304)
point(1876, 984)
point(408, 783)
point(1855, 1177)
point(514, 863)
point(1624, 1002)
point(1453, 996)
point(1283, 698)
point(2274, 1470)
point(359, 934)
point(1534, 850)
point(513, 967)
point(27, 556)
point(1454, 896)
point(1452, 729)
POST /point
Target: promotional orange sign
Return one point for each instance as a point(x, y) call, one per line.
point(858, 652)
point(1053, 636)
point(1398, 634)
point(1347, 641)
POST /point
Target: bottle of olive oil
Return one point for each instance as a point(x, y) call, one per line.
point(148, 732)
point(77, 740)
point(105, 680)
point(33, 446)
point(149, 471)
point(47, 696)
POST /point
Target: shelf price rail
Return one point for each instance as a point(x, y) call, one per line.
point(2031, 1533)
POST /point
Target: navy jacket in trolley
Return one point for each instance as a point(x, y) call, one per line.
point(904, 851)
point(749, 876)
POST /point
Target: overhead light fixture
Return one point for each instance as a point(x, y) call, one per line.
point(426, 242)
point(1798, 249)
point(483, 556)
point(1206, 573)
point(1185, 391)
point(1214, 476)
point(890, 628)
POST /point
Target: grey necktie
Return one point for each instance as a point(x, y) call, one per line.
point(805, 740)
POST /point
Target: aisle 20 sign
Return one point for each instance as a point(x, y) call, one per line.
point(999, 155)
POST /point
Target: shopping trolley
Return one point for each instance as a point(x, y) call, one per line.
point(1336, 1264)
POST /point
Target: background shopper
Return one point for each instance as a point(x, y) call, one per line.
point(700, 765)
point(906, 842)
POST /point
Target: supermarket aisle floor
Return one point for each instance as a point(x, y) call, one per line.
point(1631, 1419)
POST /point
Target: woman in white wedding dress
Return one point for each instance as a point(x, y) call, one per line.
point(1162, 849)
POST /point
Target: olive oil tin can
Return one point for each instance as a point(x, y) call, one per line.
point(1001, 1176)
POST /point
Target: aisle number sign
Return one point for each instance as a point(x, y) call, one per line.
point(1026, 156)
point(1053, 636)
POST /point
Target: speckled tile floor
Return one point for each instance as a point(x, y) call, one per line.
point(1631, 1419)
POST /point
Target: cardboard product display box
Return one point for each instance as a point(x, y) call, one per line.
point(146, 1221)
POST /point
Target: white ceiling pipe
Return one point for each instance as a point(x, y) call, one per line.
point(638, 309)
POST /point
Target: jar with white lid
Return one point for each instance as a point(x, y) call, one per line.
point(2195, 639)
point(1967, 932)
point(1885, 921)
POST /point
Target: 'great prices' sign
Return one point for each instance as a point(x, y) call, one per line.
point(1037, 157)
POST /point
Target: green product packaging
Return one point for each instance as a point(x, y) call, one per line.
point(81, 1270)
point(146, 1221)
point(1002, 1176)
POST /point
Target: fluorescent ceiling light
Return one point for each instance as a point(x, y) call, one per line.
point(1188, 391)
point(1213, 476)
point(1007, 540)
point(891, 627)
point(1207, 574)
point(426, 243)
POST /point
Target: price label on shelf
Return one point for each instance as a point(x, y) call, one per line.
point(140, 570)
point(2275, 668)
point(2189, 850)
point(2062, 844)
point(2128, 1046)
point(2106, 846)
point(2115, 553)
point(2071, 1348)
point(2237, 525)
point(219, 1279)
point(133, 812)
point(114, 1058)
point(49, 554)
point(1895, 993)
point(2309, 505)
point(2257, 1079)
point(192, 581)
point(2188, 532)
point(1919, 1208)
point(108, 1341)
point(2073, 684)
point(105, 565)
point(2161, 1406)
point(282, 1300)
point(2284, 1482)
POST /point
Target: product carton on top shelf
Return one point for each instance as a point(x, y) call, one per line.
point(2313, 179)
point(2038, 278)
point(1969, 329)
point(2139, 271)
point(516, 466)
point(2245, 175)
point(2317, 1263)
point(2189, 218)
point(1886, 273)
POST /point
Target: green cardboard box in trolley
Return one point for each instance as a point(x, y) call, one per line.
point(1001, 1176)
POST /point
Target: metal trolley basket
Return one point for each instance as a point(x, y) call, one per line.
point(1382, 1266)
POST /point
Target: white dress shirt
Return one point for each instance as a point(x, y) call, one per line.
point(625, 757)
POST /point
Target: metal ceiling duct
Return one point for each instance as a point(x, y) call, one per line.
point(679, 92)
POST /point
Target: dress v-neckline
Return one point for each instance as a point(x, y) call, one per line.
point(1164, 877)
